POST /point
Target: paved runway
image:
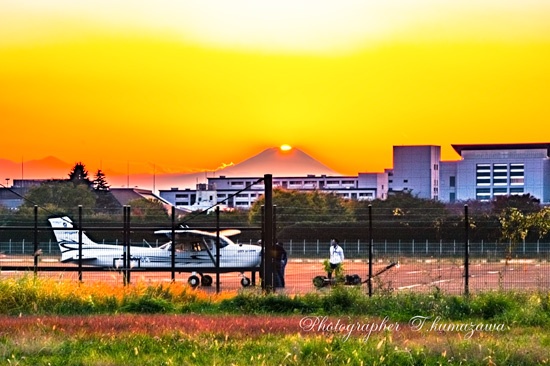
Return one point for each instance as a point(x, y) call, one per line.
point(412, 275)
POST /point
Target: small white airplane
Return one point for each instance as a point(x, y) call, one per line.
point(195, 250)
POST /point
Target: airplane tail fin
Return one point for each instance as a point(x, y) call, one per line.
point(67, 238)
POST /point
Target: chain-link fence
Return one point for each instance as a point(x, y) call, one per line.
point(412, 249)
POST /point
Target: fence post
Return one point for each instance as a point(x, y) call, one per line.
point(35, 240)
point(440, 247)
point(268, 233)
point(173, 246)
point(23, 246)
point(538, 245)
point(426, 246)
point(304, 246)
point(385, 246)
point(358, 246)
point(126, 244)
point(399, 247)
point(317, 246)
point(10, 247)
point(370, 250)
point(290, 247)
point(523, 246)
point(466, 252)
point(217, 249)
point(413, 246)
point(80, 243)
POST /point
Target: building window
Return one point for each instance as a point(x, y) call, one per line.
point(500, 192)
point(516, 191)
point(237, 183)
point(517, 174)
point(182, 195)
point(500, 174)
point(452, 197)
point(405, 181)
point(517, 181)
point(483, 175)
point(483, 194)
point(452, 181)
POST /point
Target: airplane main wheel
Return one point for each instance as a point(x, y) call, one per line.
point(206, 280)
point(193, 281)
point(245, 282)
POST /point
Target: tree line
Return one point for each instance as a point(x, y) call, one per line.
point(303, 215)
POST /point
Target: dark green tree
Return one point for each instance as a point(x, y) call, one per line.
point(100, 183)
point(60, 197)
point(295, 206)
point(525, 203)
point(79, 175)
point(148, 211)
point(404, 216)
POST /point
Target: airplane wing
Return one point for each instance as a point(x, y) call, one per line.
point(230, 232)
point(227, 233)
point(169, 232)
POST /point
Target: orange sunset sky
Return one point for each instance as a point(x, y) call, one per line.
point(192, 85)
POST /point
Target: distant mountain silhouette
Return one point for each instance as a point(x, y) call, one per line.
point(273, 161)
point(46, 168)
point(279, 163)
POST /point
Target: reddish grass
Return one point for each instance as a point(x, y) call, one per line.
point(235, 326)
point(150, 325)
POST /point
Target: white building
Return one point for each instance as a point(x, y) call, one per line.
point(241, 192)
point(484, 173)
point(488, 171)
point(416, 170)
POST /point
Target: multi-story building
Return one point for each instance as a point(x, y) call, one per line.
point(488, 171)
point(483, 173)
point(241, 192)
point(416, 170)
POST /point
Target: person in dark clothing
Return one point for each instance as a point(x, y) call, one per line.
point(280, 260)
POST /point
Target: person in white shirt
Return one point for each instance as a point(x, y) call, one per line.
point(336, 256)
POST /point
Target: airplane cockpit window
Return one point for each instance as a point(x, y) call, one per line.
point(195, 242)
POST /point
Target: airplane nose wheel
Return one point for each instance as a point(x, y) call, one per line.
point(245, 281)
point(193, 281)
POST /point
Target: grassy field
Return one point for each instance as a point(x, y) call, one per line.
point(66, 323)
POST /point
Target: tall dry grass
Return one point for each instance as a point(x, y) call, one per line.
point(33, 295)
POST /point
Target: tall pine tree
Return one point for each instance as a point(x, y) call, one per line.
point(100, 183)
point(79, 175)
